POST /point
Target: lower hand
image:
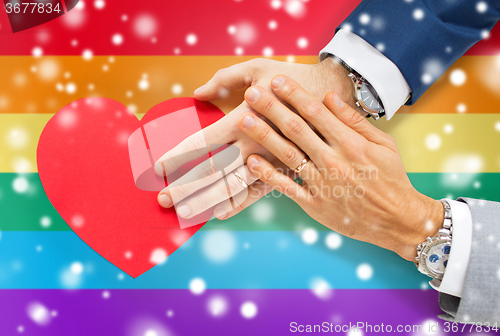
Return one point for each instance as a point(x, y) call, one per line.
point(354, 182)
point(186, 193)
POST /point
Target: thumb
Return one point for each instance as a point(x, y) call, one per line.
point(353, 119)
point(235, 77)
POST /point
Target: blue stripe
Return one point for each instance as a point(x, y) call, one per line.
point(268, 260)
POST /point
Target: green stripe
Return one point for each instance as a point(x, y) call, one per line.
point(24, 211)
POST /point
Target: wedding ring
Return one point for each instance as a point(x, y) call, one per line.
point(240, 179)
point(302, 165)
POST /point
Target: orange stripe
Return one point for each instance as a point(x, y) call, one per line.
point(30, 85)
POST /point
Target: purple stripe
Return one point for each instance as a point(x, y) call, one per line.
point(134, 312)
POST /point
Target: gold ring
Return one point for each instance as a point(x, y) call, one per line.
point(240, 179)
point(302, 165)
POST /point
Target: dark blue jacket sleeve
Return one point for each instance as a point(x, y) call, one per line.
point(423, 37)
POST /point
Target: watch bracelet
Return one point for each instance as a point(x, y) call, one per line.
point(445, 230)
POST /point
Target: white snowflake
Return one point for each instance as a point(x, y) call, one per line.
point(248, 310)
point(37, 52)
point(333, 241)
point(364, 272)
point(191, 39)
point(99, 4)
point(458, 77)
point(302, 42)
point(418, 14)
point(433, 142)
point(364, 19)
point(197, 286)
point(309, 236)
point(117, 39)
point(482, 7)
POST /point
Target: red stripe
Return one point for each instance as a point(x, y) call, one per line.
point(208, 20)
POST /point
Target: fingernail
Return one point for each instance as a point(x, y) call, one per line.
point(198, 90)
point(253, 163)
point(247, 122)
point(164, 200)
point(337, 100)
point(278, 81)
point(253, 94)
point(183, 210)
point(220, 213)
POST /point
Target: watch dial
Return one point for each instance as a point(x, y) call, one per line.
point(437, 258)
point(370, 98)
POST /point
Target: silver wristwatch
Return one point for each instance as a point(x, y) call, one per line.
point(364, 93)
point(433, 253)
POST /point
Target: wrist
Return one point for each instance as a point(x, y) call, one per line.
point(423, 218)
point(343, 85)
point(330, 75)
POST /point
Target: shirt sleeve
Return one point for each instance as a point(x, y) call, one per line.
point(461, 246)
point(370, 63)
point(423, 38)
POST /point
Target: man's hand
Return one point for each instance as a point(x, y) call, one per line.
point(188, 197)
point(354, 183)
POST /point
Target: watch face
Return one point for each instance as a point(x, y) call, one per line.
point(370, 97)
point(437, 258)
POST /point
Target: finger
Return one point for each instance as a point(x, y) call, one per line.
point(204, 174)
point(235, 77)
point(268, 174)
point(241, 201)
point(198, 144)
point(309, 107)
point(353, 119)
point(286, 151)
point(290, 124)
point(216, 193)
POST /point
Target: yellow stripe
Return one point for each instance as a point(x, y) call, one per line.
point(449, 143)
point(427, 143)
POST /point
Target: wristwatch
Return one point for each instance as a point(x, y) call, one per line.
point(365, 94)
point(433, 253)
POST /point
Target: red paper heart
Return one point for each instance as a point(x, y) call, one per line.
point(84, 166)
point(28, 14)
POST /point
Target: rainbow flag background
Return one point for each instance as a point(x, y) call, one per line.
point(264, 269)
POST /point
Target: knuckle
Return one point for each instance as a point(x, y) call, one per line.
point(313, 108)
point(290, 155)
point(199, 204)
point(294, 127)
point(170, 161)
point(290, 92)
point(178, 193)
point(220, 73)
point(355, 118)
point(391, 139)
point(267, 106)
point(233, 186)
point(264, 135)
point(255, 62)
point(207, 169)
point(285, 188)
point(196, 142)
point(266, 175)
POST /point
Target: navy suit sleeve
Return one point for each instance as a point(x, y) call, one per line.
point(423, 37)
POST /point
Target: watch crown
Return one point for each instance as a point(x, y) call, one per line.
point(429, 239)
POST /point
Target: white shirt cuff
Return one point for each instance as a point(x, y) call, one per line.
point(461, 246)
point(370, 63)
